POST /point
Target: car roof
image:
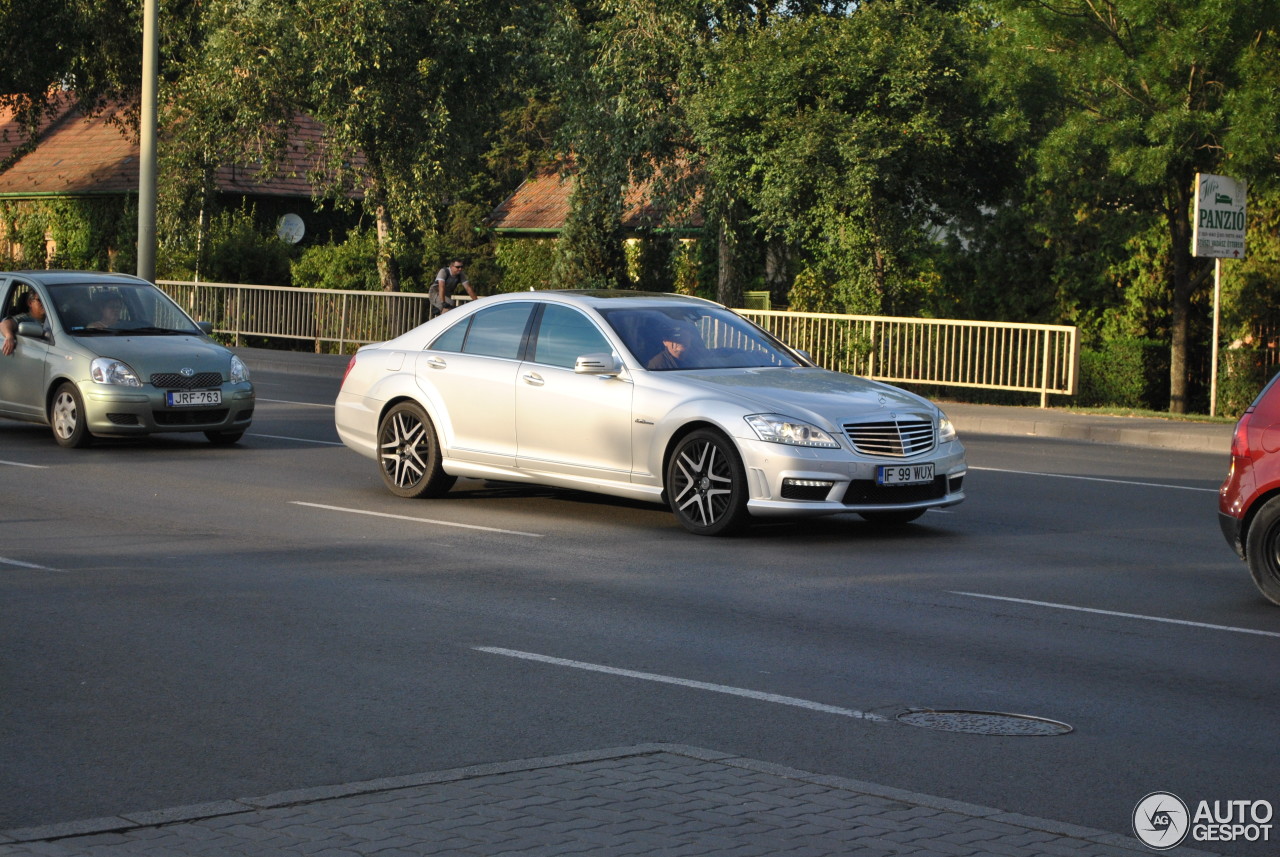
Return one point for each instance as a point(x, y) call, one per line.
point(55, 277)
point(611, 298)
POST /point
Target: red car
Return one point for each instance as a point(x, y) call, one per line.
point(1249, 499)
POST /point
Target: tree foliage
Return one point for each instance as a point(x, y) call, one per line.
point(1145, 94)
point(1021, 159)
point(854, 138)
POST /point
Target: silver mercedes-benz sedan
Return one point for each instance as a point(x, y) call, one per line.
point(663, 398)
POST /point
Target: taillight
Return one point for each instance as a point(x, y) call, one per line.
point(1240, 439)
point(351, 364)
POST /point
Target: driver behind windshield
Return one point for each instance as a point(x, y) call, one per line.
point(109, 309)
point(675, 342)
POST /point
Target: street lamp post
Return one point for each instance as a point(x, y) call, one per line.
point(147, 143)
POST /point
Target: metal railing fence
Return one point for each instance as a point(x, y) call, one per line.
point(1031, 358)
point(992, 355)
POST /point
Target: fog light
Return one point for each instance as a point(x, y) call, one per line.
point(806, 489)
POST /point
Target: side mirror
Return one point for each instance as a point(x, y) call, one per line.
point(206, 326)
point(33, 329)
point(597, 364)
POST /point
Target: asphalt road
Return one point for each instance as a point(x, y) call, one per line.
point(181, 623)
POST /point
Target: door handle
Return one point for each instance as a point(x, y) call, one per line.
point(533, 378)
point(437, 363)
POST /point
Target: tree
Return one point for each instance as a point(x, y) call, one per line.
point(402, 87)
point(852, 137)
point(1149, 94)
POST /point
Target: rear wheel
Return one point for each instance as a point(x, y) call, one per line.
point(409, 453)
point(707, 485)
point(67, 418)
point(1262, 550)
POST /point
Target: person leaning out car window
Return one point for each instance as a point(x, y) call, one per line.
point(9, 327)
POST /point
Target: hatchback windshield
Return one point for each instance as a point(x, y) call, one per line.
point(695, 338)
point(119, 309)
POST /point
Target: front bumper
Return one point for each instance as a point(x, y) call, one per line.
point(130, 411)
point(790, 481)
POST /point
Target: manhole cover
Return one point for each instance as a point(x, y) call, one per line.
point(982, 722)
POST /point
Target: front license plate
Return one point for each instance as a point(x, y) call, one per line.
point(904, 474)
point(193, 398)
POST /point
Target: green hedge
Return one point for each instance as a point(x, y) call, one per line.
point(1242, 373)
point(1125, 373)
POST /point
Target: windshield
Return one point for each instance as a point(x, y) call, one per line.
point(669, 338)
point(119, 309)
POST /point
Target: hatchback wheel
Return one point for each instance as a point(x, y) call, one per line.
point(67, 418)
point(707, 485)
point(1263, 550)
point(409, 453)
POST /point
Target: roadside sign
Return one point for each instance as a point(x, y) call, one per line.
point(1218, 230)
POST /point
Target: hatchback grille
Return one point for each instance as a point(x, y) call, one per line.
point(174, 381)
point(897, 439)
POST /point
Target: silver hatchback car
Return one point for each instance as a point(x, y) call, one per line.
point(652, 397)
point(93, 354)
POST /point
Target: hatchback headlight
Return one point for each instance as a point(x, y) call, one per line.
point(239, 371)
point(775, 428)
point(106, 370)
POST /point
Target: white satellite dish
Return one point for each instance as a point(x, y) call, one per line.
point(290, 228)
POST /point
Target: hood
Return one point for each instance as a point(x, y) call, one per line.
point(816, 394)
point(151, 354)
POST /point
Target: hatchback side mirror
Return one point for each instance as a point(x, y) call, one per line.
point(34, 329)
point(597, 364)
point(206, 327)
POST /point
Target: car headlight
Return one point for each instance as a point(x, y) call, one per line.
point(779, 429)
point(946, 429)
point(105, 370)
point(239, 371)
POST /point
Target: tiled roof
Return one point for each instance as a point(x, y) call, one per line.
point(541, 205)
point(78, 154)
point(73, 154)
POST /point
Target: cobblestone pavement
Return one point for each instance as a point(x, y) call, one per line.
point(654, 799)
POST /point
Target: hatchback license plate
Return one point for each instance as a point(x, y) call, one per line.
point(193, 398)
point(904, 474)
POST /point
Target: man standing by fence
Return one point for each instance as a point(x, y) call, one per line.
point(447, 281)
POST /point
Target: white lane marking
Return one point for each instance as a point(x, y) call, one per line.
point(1122, 615)
point(20, 464)
point(683, 682)
point(1096, 479)
point(32, 565)
point(416, 520)
point(301, 404)
point(298, 439)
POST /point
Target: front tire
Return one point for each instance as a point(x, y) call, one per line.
point(707, 485)
point(409, 454)
point(1262, 550)
point(67, 418)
